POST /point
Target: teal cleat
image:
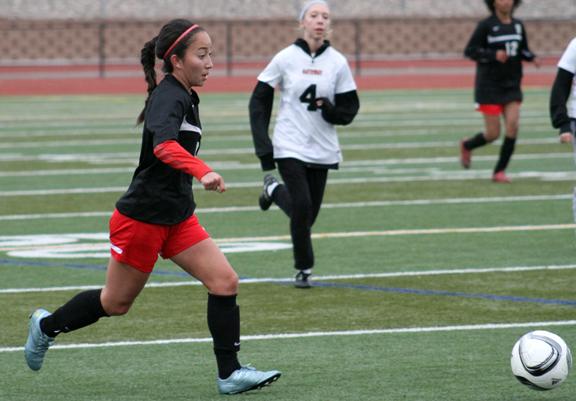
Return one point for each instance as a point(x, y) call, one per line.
point(245, 379)
point(38, 342)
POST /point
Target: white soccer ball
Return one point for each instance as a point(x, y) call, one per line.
point(541, 360)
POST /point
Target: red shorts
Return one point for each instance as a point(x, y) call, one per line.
point(492, 109)
point(138, 244)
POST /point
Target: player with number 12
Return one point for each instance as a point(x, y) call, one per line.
point(498, 45)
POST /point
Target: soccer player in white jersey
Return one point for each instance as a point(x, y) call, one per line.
point(563, 100)
point(563, 95)
point(317, 92)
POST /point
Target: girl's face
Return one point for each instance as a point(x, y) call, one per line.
point(316, 22)
point(504, 6)
point(194, 67)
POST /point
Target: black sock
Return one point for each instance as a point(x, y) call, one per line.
point(82, 310)
point(505, 154)
point(224, 325)
point(476, 141)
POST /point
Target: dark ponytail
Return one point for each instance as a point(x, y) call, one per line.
point(166, 40)
point(148, 61)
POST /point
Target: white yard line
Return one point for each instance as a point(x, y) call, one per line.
point(456, 271)
point(247, 150)
point(68, 172)
point(422, 231)
point(310, 334)
point(432, 176)
point(331, 235)
point(347, 205)
point(347, 166)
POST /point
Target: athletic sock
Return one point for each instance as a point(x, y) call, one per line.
point(82, 310)
point(270, 188)
point(505, 154)
point(224, 325)
point(476, 141)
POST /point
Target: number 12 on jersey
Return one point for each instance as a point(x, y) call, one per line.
point(512, 48)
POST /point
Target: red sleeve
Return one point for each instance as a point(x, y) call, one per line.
point(174, 155)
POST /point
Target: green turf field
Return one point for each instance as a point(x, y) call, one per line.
point(426, 273)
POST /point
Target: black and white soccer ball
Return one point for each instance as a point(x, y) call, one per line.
point(541, 360)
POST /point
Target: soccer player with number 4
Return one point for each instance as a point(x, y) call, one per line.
point(563, 101)
point(317, 92)
point(563, 95)
point(498, 45)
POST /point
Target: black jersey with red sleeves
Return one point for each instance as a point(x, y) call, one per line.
point(158, 193)
point(496, 82)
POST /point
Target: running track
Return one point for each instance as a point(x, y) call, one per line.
point(393, 74)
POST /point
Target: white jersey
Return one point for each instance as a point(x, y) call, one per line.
point(568, 62)
point(300, 131)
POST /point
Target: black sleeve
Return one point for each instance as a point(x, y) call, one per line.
point(260, 109)
point(525, 51)
point(558, 98)
point(344, 109)
point(165, 113)
point(477, 48)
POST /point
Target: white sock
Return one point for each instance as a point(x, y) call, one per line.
point(270, 188)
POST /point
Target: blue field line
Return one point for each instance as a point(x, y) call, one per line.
point(31, 263)
point(415, 291)
point(363, 287)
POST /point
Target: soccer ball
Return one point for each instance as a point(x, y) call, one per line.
point(541, 360)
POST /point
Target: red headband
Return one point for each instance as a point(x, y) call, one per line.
point(186, 32)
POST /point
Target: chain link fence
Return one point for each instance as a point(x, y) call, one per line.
point(112, 32)
point(265, 9)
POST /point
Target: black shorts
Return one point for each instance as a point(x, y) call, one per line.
point(492, 94)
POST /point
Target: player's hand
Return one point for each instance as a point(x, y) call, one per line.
point(213, 182)
point(536, 62)
point(501, 56)
point(566, 137)
point(324, 103)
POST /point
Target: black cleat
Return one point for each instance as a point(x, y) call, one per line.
point(265, 200)
point(301, 280)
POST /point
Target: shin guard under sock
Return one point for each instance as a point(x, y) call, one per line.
point(506, 152)
point(476, 141)
point(224, 325)
point(82, 310)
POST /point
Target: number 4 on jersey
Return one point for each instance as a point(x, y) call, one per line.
point(309, 96)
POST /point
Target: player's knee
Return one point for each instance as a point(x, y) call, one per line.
point(226, 284)
point(512, 131)
point(491, 136)
point(117, 308)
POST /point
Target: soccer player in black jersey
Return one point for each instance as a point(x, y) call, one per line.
point(156, 215)
point(498, 45)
